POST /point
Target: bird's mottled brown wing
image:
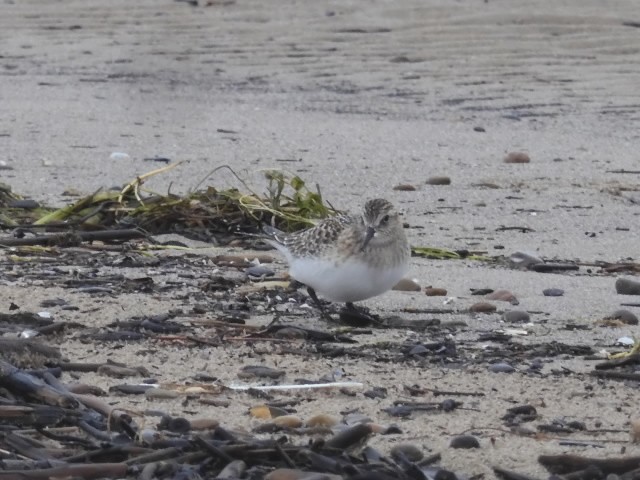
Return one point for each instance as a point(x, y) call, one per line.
point(318, 239)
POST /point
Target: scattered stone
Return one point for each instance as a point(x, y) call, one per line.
point(522, 259)
point(626, 286)
point(625, 316)
point(516, 316)
point(200, 424)
point(24, 204)
point(323, 420)
point(439, 180)
point(407, 451)
point(464, 441)
point(258, 271)
point(501, 367)
point(517, 157)
point(553, 292)
point(288, 421)
point(405, 187)
point(479, 129)
point(503, 296)
point(407, 285)
point(160, 393)
point(482, 307)
point(435, 292)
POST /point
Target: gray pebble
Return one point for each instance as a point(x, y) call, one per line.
point(407, 285)
point(501, 368)
point(553, 292)
point(258, 271)
point(439, 181)
point(516, 316)
point(407, 451)
point(626, 286)
point(464, 441)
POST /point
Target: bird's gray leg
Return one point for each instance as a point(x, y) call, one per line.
point(316, 300)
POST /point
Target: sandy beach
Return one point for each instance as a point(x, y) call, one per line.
point(358, 97)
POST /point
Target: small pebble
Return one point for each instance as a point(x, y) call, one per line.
point(501, 368)
point(482, 307)
point(323, 420)
point(503, 296)
point(405, 187)
point(626, 286)
point(440, 180)
point(435, 292)
point(479, 129)
point(258, 271)
point(625, 316)
point(407, 451)
point(517, 157)
point(553, 292)
point(288, 421)
point(160, 393)
point(407, 285)
point(24, 204)
point(516, 316)
point(464, 441)
point(204, 424)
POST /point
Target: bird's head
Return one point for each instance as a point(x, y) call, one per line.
point(381, 222)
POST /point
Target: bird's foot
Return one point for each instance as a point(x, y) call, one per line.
point(321, 306)
point(357, 316)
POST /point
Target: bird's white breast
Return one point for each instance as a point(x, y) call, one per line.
point(350, 281)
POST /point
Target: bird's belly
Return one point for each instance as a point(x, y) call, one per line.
point(347, 282)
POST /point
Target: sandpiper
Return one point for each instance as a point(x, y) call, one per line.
point(347, 258)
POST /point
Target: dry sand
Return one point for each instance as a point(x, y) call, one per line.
point(361, 96)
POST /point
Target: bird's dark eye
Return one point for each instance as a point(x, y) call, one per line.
point(385, 219)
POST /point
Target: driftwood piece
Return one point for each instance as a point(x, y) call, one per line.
point(85, 471)
point(26, 384)
point(73, 238)
point(562, 464)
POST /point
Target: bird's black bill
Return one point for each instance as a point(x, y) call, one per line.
point(367, 237)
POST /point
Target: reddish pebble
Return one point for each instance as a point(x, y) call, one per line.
point(435, 292)
point(517, 157)
point(482, 307)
